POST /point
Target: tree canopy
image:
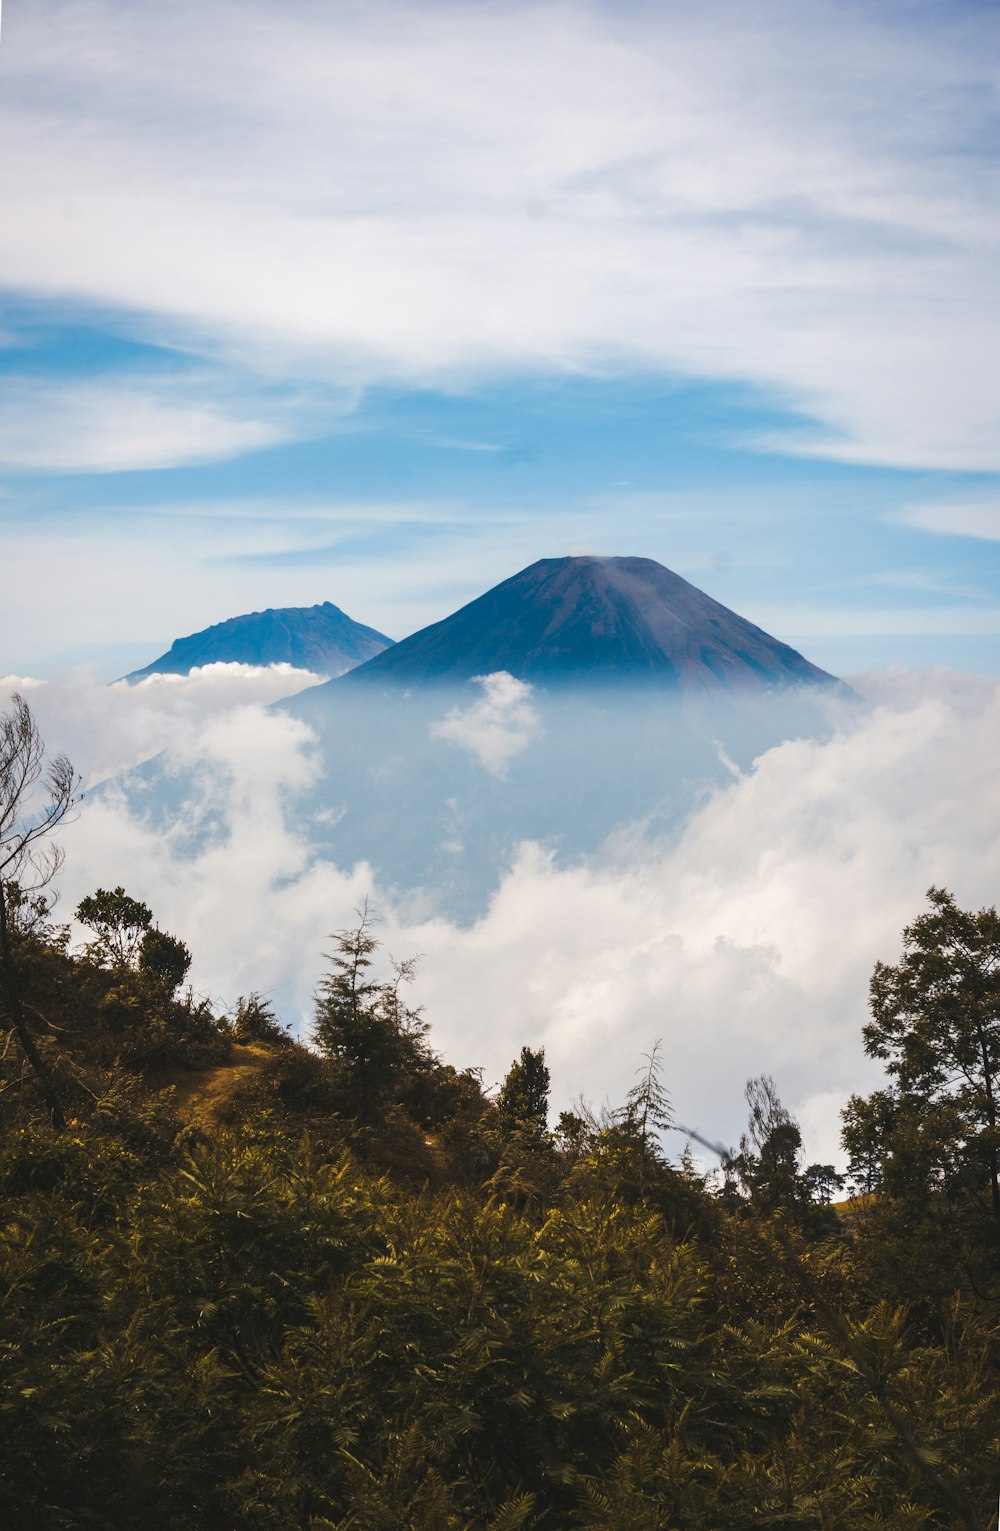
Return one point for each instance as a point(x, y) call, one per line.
point(119, 923)
point(523, 1101)
point(936, 1025)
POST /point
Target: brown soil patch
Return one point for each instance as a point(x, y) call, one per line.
point(203, 1094)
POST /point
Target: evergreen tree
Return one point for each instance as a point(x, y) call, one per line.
point(163, 960)
point(523, 1101)
point(770, 1158)
point(364, 1026)
point(866, 1133)
point(646, 1113)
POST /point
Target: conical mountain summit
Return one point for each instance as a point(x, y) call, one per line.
point(588, 620)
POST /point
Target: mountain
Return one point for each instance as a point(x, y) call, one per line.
point(318, 638)
point(646, 694)
point(563, 621)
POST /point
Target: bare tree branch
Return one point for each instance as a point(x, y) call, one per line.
point(35, 799)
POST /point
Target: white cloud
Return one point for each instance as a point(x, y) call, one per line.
point(19, 683)
point(748, 942)
point(965, 518)
point(745, 942)
point(432, 191)
point(124, 425)
point(108, 729)
point(495, 728)
point(226, 682)
point(250, 758)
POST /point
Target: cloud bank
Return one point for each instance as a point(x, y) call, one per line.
point(745, 940)
point(108, 729)
point(420, 192)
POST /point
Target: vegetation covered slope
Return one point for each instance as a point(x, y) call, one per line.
point(345, 1288)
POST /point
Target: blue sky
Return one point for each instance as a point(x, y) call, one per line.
point(378, 304)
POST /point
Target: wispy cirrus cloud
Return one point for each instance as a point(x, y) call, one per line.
point(819, 621)
point(122, 425)
point(964, 518)
point(436, 192)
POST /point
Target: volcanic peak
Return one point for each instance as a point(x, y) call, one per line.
point(320, 638)
point(571, 621)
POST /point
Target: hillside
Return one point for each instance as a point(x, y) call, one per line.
point(250, 1284)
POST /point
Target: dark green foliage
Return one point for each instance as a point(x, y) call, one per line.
point(119, 924)
point(866, 1132)
point(572, 1134)
point(936, 1025)
point(523, 1102)
point(253, 1020)
point(28, 913)
point(769, 1162)
point(365, 1028)
point(646, 1114)
point(163, 960)
point(768, 1174)
point(822, 1183)
point(360, 1296)
point(926, 1148)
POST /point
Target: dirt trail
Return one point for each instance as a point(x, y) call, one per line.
point(202, 1094)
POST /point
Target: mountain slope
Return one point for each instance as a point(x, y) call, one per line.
point(318, 638)
point(564, 621)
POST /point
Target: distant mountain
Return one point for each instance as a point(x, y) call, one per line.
point(646, 694)
point(566, 621)
point(318, 638)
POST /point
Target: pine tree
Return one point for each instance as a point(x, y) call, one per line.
point(647, 1112)
point(523, 1101)
point(364, 1026)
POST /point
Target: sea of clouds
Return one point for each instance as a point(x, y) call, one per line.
point(744, 938)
